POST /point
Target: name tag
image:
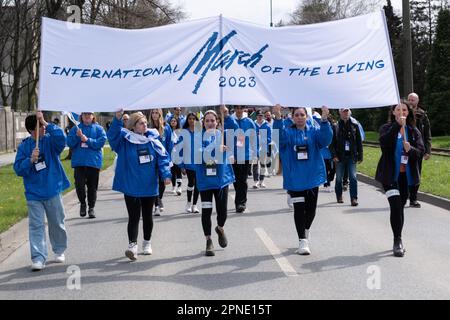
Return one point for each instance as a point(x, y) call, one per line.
point(84, 145)
point(347, 145)
point(302, 152)
point(404, 159)
point(240, 141)
point(211, 170)
point(144, 156)
point(40, 164)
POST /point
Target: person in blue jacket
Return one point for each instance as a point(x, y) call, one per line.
point(245, 152)
point(86, 141)
point(165, 136)
point(141, 160)
point(303, 166)
point(44, 180)
point(213, 176)
point(185, 147)
point(264, 138)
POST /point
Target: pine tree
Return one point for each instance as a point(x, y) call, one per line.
point(438, 77)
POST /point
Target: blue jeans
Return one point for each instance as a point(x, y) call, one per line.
point(340, 168)
point(54, 210)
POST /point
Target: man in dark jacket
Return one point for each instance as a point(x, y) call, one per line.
point(347, 150)
point(423, 124)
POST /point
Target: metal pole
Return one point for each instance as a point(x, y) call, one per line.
point(407, 50)
point(271, 22)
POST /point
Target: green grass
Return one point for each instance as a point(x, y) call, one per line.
point(13, 207)
point(435, 172)
point(436, 142)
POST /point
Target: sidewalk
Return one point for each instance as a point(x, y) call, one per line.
point(7, 158)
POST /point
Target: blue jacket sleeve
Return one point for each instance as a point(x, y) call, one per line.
point(114, 137)
point(163, 166)
point(72, 139)
point(324, 135)
point(22, 163)
point(168, 143)
point(230, 123)
point(57, 138)
point(99, 141)
point(279, 125)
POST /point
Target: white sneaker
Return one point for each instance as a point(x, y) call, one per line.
point(179, 191)
point(147, 248)
point(132, 251)
point(256, 185)
point(262, 185)
point(195, 209)
point(60, 258)
point(174, 190)
point(289, 201)
point(188, 208)
point(303, 248)
point(37, 266)
point(157, 213)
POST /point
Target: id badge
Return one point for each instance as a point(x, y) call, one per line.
point(211, 170)
point(40, 164)
point(144, 156)
point(347, 145)
point(404, 159)
point(302, 152)
point(84, 145)
point(240, 141)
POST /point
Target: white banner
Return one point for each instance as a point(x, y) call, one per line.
point(213, 61)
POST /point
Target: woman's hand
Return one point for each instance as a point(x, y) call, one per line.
point(119, 114)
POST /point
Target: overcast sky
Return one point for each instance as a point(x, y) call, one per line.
point(257, 11)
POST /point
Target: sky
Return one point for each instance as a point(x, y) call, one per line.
point(256, 11)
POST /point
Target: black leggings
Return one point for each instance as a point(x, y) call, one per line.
point(305, 203)
point(176, 175)
point(162, 188)
point(86, 177)
point(134, 207)
point(191, 186)
point(331, 170)
point(221, 197)
point(397, 194)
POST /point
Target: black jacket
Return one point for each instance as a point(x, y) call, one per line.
point(337, 147)
point(388, 142)
point(423, 124)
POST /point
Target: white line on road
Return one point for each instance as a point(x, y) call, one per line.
point(284, 264)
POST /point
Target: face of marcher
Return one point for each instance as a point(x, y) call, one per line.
point(177, 112)
point(141, 126)
point(413, 99)
point(239, 111)
point(191, 122)
point(87, 118)
point(401, 111)
point(268, 116)
point(155, 115)
point(125, 119)
point(173, 123)
point(259, 118)
point(345, 114)
point(300, 117)
point(210, 121)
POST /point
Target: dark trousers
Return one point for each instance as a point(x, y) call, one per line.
point(241, 186)
point(305, 204)
point(162, 188)
point(191, 188)
point(397, 203)
point(176, 175)
point(134, 207)
point(258, 170)
point(331, 170)
point(86, 177)
point(221, 198)
point(413, 190)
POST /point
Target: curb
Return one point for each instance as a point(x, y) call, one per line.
point(422, 196)
point(16, 236)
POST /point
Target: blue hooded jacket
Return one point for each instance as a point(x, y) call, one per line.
point(300, 175)
point(51, 181)
point(132, 178)
point(90, 156)
point(246, 124)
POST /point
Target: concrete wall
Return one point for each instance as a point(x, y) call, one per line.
point(6, 130)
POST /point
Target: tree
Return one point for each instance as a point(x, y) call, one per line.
point(438, 77)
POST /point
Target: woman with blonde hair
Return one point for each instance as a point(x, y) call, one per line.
point(165, 136)
point(141, 160)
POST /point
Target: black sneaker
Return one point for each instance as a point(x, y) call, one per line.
point(414, 204)
point(345, 187)
point(240, 209)
point(91, 213)
point(354, 202)
point(339, 200)
point(209, 248)
point(398, 249)
point(223, 242)
point(83, 210)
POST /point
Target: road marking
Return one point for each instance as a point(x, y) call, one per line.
point(284, 264)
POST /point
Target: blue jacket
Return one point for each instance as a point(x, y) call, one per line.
point(225, 174)
point(166, 139)
point(264, 144)
point(51, 181)
point(131, 177)
point(186, 147)
point(300, 175)
point(92, 155)
point(245, 124)
point(181, 120)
